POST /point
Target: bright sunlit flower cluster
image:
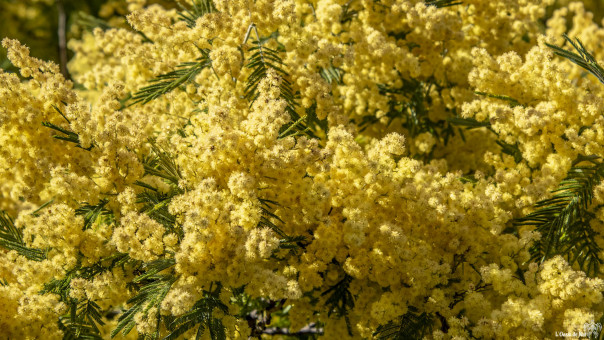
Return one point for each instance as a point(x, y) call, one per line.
point(409, 213)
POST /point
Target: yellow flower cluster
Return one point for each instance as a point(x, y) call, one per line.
point(317, 170)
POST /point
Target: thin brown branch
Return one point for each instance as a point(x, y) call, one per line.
point(62, 35)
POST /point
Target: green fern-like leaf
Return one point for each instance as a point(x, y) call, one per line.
point(511, 149)
point(305, 125)
point(468, 123)
point(267, 214)
point(471, 123)
point(154, 201)
point(94, 213)
point(66, 134)
point(84, 317)
point(62, 286)
point(582, 58)
point(162, 164)
point(292, 242)
point(153, 268)
point(168, 82)
point(262, 59)
point(340, 300)
point(513, 102)
point(409, 104)
point(200, 316)
point(82, 321)
point(563, 220)
point(348, 13)
point(155, 204)
point(286, 241)
point(83, 332)
point(44, 205)
point(332, 75)
point(198, 9)
point(11, 238)
point(153, 291)
point(410, 326)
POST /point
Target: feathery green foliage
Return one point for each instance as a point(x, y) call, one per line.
point(198, 9)
point(155, 204)
point(95, 213)
point(340, 300)
point(468, 123)
point(161, 164)
point(267, 214)
point(303, 126)
point(563, 219)
point(44, 205)
point(154, 201)
point(68, 136)
point(62, 286)
point(292, 242)
point(471, 123)
point(584, 59)
point(332, 74)
point(165, 83)
point(409, 103)
point(82, 321)
point(410, 326)
point(286, 241)
point(11, 238)
point(262, 59)
point(84, 316)
point(347, 12)
point(200, 316)
point(155, 267)
point(510, 149)
point(155, 287)
point(513, 102)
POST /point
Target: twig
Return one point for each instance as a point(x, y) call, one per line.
point(62, 35)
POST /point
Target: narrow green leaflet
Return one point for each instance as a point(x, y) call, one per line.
point(11, 238)
point(198, 9)
point(200, 316)
point(340, 300)
point(442, 3)
point(410, 326)
point(166, 83)
point(262, 59)
point(563, 219)
point(94, 213)
point(583, 58)
point(151, 295)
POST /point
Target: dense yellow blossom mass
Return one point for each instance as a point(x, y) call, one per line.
point(236, 168)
